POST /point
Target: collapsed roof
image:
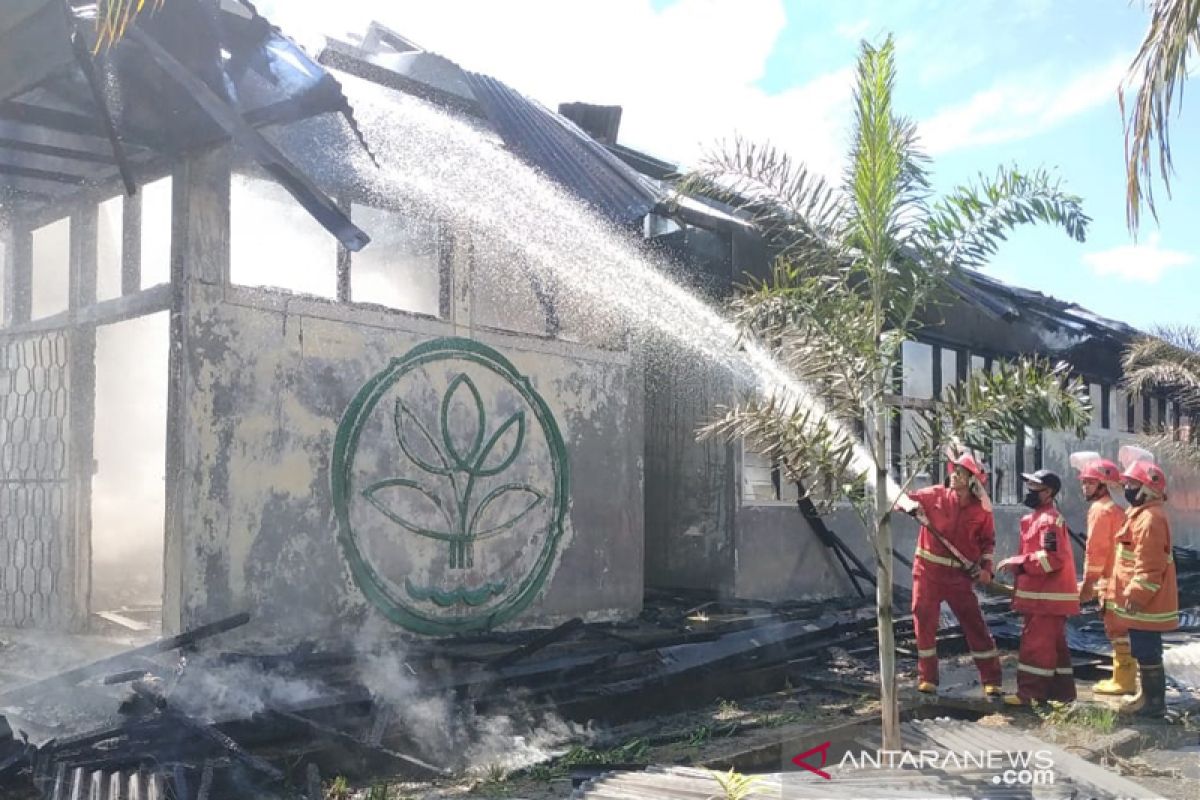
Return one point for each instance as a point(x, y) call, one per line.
point(185, 76)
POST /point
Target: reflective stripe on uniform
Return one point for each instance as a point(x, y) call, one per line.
point(1064, 671)
point(1043, 560)
point(927, 653)
point(1145, 584)
point(936, 559)
point(1125, 554)
point(986, 654)
point(1049, 673)
point(1166, 616)
point(1059, 596)
point(1094, 571)
point(1120, 640)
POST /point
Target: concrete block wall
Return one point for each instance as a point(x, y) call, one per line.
point(333, 458)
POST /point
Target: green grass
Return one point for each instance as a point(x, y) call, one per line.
point(635, 751)
point(1091, 716)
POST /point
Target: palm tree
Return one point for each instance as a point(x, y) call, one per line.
point(857, 265)
point(1168, 361)
point(113, 18)
point(1158, 70)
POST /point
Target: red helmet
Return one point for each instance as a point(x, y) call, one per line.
point(1101, 470)
point(968, 462)
point(1148, 474)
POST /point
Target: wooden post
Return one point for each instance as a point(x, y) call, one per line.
point(344, 259)
point(19, 277)
point(131, 244)
point(82, 409)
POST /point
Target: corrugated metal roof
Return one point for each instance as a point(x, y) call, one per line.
point(1016, 303)
point(567, 155)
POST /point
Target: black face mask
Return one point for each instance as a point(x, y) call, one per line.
point(1134, 496)
point(1032, 499)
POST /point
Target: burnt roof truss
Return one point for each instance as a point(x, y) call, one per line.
point(185, 77)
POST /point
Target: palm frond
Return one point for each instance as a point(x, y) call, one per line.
point(1158, 70)
point(809, 445)
point(1169, 449)
point(795, 208)
point(1167, 362)
point(876, 172)
point(113, 18)
point(1030, 392)
point(816, 326)
point(967, 226)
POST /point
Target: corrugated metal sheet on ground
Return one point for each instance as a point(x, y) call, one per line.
point(1073, 776)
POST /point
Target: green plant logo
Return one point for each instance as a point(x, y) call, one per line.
point(449, 480)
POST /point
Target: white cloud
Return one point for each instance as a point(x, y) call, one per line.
point(686, 75)
point(1015, 109)
point(1144, 263)
point(854, 30)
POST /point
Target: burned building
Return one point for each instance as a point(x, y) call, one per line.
point(213, 385)
point(247, 362)
point(720, 518)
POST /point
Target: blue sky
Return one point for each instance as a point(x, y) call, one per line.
point(951, 55)
point(1030, 82)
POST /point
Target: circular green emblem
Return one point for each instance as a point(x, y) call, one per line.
point(450, 487)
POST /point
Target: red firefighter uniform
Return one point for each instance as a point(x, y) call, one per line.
point(1046, 594)
point(938, 578)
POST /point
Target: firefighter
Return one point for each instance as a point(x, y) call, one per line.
point(1104, 521)
point(1142, 595)
point(1046, 594)
point(960, 514)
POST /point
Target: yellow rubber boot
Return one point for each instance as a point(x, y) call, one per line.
point(1125, 669)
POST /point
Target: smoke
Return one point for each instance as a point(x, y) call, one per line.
point(447, 731)
point(216, 691)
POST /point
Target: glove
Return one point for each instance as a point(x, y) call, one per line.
point(984, 577)
point(1086, 592)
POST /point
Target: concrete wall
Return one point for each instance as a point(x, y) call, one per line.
point(268, 382)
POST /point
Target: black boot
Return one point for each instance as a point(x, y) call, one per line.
point(1151, 699)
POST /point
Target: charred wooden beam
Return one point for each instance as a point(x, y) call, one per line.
point(50, 175)
point(66, 680)
point(69, 153)
point(537, 643)
point(52, 118)
point(305, 192)
point(354, 744)
point(84, 58)
point(235, 750)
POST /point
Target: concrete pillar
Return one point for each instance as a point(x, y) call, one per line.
point(200, 230)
